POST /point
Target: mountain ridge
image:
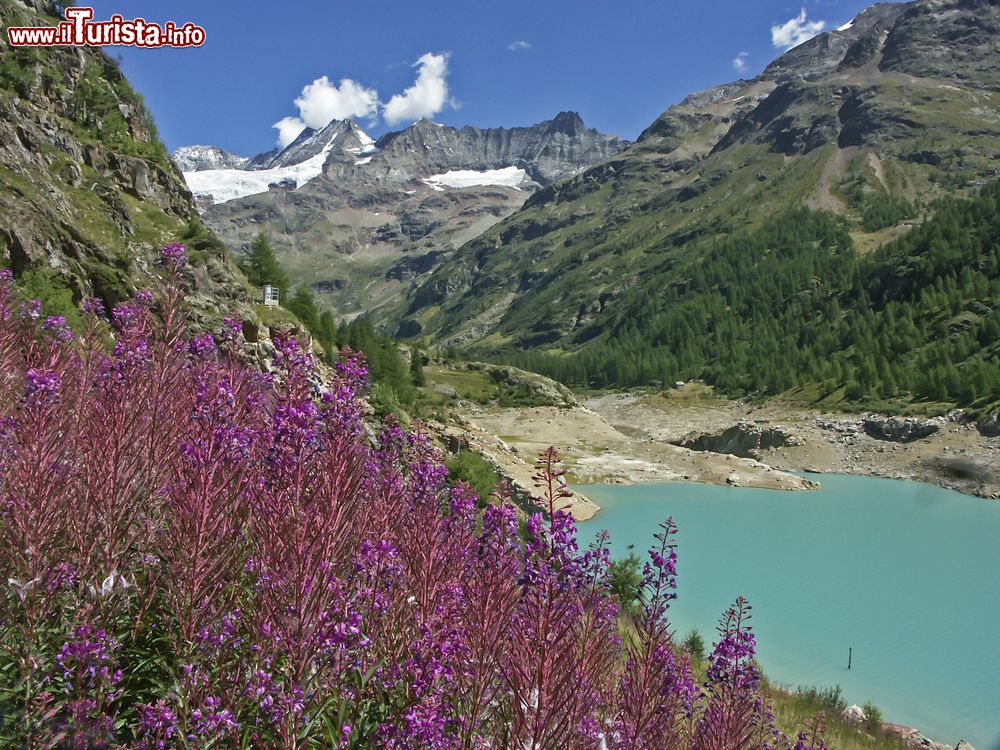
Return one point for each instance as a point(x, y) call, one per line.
point(362, 225)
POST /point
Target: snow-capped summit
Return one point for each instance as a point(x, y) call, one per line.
point(217, 175)
point(199, 158)
point(345, 133)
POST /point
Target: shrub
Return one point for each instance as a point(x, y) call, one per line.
point(385, 402)
point(468, 466)
point(873, 717)
point(695, 645)
point(202, 555)
point(828, 700)
point(625, 581)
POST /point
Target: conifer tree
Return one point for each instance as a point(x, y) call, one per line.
point(261, 265)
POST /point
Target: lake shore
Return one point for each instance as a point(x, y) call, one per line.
point(625, 438)
point(955, 455)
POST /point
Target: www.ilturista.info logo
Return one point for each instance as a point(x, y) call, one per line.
point(78, 30)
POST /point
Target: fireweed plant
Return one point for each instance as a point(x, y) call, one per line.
point(197, 554)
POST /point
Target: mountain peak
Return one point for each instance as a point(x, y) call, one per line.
point(198, 158)
point(569, 123)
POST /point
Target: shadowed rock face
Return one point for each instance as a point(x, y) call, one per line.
point(899, 429)
point(989, 426)
point(746, 439)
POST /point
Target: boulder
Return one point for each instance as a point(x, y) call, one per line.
point(854, 714)
point(744, 439)
point(964, 745)
point(900, 429)
point(446, 389)
point(989, 426)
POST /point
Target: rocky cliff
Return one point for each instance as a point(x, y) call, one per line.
point(87, 190)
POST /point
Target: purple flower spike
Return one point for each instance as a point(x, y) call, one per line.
point(42, 387)
point(55, 326)
point(173, 256)
point(32, 309)
point(232, 327)
point(93, 306)
point(203, 346)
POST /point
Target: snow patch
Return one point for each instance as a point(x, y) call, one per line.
point(513, 177)
point(223, 185)
point(846, 26)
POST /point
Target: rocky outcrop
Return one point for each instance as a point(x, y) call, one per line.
point(911, 737)
point(744, 439)
point(87, 190)
point(989, 425)
point(527, 386)
point(900, 429)
point(853, 714)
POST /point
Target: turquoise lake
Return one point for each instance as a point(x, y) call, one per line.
point(906, 574)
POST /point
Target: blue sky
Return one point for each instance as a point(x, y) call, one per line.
point(517, 62)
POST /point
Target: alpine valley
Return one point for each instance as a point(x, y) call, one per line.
point(220, 527)
point(766, 235)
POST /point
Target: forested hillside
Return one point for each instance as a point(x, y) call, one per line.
point(793, 304)
point(793, 231)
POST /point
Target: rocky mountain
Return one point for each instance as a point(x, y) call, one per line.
point(200, 158)
point(871, 122)
point(359, 221)
point(88, 192)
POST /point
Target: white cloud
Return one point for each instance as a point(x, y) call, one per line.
point(740, 62)
point(322, 101)
point(427, 96)
point(794, 31)
point(518, 45)
point(288, 130)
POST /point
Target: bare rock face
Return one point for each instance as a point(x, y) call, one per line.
point(900, 429)
point(745, 439)
point(854, 714)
